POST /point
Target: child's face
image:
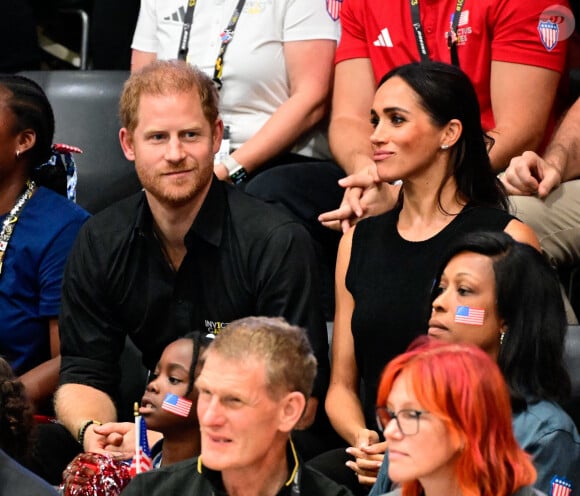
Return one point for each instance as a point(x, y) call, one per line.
point(171, 376)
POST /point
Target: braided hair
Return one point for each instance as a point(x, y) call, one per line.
point(32, 110)
point(49, 165)
point(200, 343)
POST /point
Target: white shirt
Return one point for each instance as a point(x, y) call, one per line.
point(255, 82)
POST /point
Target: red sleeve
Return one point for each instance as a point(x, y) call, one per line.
point(353, 43)
point(532, 32)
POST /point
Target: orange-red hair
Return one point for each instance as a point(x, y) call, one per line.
point(463, 386)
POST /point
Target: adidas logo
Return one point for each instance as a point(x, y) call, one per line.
point(177, 16)
point(384, 39)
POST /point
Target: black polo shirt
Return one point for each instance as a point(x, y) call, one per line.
point(191, 478)
point(244, 258)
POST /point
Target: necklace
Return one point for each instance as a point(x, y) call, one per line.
point(12, 218)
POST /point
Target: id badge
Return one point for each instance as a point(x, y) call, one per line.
point(224, 150)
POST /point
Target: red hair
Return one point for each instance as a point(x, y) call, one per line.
point(463, 386)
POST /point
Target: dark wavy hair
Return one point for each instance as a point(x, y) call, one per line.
point(529, 301)
point(16, 418)
point(446, 93)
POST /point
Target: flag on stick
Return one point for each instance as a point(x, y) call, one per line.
point(142, 461)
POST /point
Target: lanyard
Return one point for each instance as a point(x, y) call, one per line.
point(451, 36)
point(185, 32)
point(11, 219)
point(226, 36)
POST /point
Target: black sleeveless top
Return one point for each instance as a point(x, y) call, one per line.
point(390, 280)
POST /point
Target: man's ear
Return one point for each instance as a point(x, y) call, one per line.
point(452, 133)
point(218, 133)
point(291, 410)
point(126, 139)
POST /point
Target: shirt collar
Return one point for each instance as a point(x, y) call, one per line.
point(215, 478)
point(208, 224)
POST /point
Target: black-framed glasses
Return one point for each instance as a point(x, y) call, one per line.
point(407, 419)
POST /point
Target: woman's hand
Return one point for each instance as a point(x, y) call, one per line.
point(368, 457)
point(365, 195)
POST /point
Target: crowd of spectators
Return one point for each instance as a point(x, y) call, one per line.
point(391, 169)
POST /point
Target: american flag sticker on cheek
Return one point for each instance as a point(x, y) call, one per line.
point(468, 315)
point(176, 404)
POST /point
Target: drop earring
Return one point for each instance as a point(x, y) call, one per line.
point(17, 153)
point(501, 337)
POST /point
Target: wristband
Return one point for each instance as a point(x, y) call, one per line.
point(236, 172)
point(83, 430)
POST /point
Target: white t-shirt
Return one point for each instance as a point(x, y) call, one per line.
point(255, 82)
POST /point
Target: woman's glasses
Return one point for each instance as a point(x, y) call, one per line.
point(407, 419)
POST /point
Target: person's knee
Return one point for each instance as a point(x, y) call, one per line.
point(530, 210)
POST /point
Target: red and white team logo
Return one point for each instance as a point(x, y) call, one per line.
point(549, 32)
point(560, 486)
point(333, 8)
point(556, 23)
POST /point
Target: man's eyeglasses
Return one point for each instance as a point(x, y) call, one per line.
point(407, 419)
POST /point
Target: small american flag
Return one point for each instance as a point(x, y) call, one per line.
point(560, 486)
point(142, 461)
point(176, 404)
point(468, 315)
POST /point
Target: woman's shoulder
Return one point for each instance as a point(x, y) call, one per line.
point(486, 218)
point(481, 218)
point(485, 212)
point(528, 491)
point(60, 208)
point(541, 419)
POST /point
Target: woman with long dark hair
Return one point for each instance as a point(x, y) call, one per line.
point(428, 136)
point(504, 297)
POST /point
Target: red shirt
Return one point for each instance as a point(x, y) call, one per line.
point(501, 30)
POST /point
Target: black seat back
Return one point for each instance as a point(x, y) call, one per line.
point(85, 105)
